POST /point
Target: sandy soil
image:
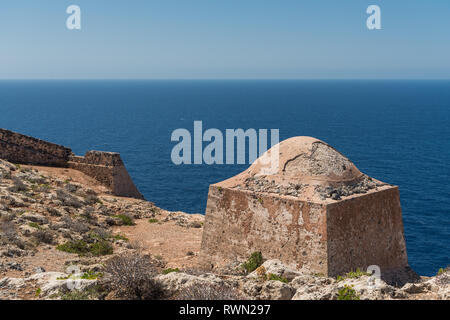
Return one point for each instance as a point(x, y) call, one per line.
point(178, 246)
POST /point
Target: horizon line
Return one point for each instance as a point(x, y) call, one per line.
point(224, 79)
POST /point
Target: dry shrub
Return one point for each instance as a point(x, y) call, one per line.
point(54, 212)
point(88, 214)
point(43, 236)
point(72, 188)
point(131, 276)
point(208, 292)
point(8, 228)
point(67, 199)
point(18, 185)
point(77, 226)
point(91, 199)
point(101, 233)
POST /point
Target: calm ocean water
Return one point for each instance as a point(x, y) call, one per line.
point(395, 131)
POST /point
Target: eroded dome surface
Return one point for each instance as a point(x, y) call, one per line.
point(306, 167)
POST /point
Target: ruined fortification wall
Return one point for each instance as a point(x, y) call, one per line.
point(106, 167)
point(18, 148)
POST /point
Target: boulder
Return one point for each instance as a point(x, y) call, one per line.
point(322, 288)
point(268, 290)
point(276, 267)
point(12, 283)
point(176, 281)
point(52, 283)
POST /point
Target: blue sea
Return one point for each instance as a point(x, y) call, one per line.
point(395, 131)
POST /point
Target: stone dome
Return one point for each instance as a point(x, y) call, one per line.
point(307, 159)
point(306, 167)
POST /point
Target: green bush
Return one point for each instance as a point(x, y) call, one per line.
point(34, 225)
point(442, 270)
point(275, 277)
point(255, 260)
point(91, 275)
point(170, 270)
point(120, 237)
point(153, 220)
point(126, 219)
point(353, 275)
point(100, 248)
point(357, 274)
point(347, 293)
point(79, 247)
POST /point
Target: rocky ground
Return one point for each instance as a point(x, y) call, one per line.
point(63, 236)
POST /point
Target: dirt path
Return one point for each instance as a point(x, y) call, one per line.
point(177, 245)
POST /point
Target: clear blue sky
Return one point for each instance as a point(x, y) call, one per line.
point(224, 39)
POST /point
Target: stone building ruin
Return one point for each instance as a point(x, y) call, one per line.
point(317, 213)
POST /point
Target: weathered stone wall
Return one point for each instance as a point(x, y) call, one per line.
point(106, 167)
point(239, 222)
point(327, 238)
point(21, 149)
point(364, 231)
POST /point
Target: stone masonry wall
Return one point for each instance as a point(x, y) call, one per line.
point(365, 231)
point(106, 167)
point(329, 238)
point(241, 222)
point(21, 149)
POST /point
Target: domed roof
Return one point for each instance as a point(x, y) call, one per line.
point(305, 165)
point(307, 159)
